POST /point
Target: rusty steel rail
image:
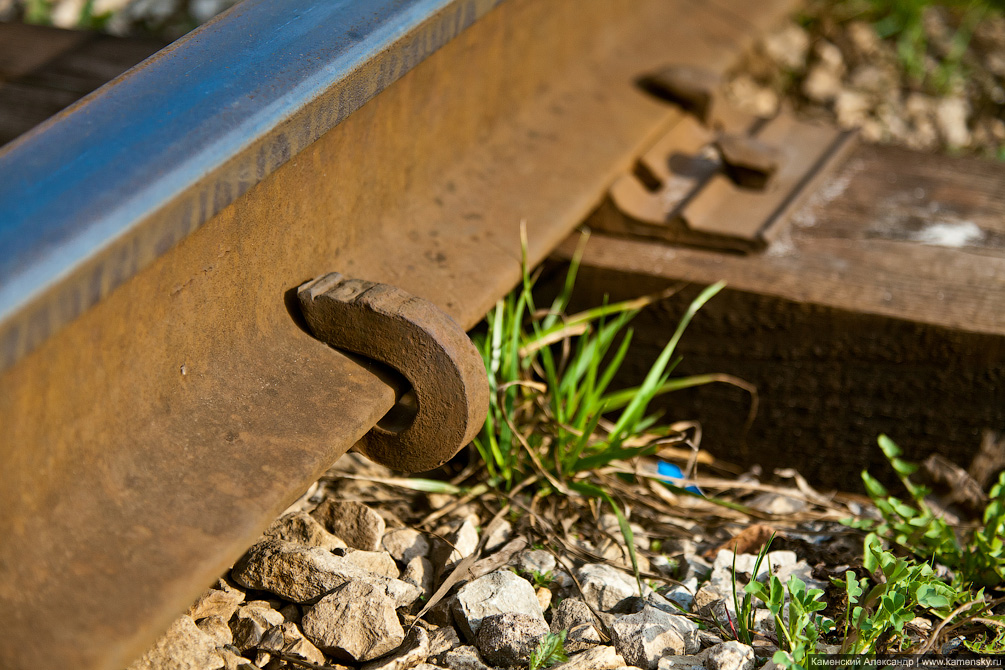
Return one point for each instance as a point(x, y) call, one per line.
point(160, 398)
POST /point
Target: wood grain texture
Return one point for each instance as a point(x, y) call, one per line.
point(24, 48)
point(863, 319)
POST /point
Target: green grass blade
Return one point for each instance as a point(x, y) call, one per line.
point(569, 460)
point(601, 459)
point(619, 399)
point(612, 367)
point(562, 299)
point(652, 381)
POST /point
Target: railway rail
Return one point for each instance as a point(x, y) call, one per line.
point(179, 249)
point(160, 399)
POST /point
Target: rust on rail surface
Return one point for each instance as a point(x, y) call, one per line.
point(148, 442)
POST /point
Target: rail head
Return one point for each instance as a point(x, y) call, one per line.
point(99, 191)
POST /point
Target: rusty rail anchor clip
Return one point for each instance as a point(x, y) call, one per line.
point(422, 343)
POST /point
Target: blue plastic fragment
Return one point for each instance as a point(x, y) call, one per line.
point(674, 475)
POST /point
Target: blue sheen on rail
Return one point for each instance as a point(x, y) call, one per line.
point(74, 187)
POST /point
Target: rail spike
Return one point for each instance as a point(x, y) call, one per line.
point(421, 342)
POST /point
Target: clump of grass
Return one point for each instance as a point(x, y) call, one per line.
point(745, 606)
point(552, 412)
point(799, 626)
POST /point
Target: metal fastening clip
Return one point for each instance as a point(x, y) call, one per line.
point(422, 343)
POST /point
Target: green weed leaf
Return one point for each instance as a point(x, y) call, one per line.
point(550, 651)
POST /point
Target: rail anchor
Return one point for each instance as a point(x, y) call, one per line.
point(448, 400)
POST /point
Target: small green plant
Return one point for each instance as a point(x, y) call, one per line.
point(550, 651)
point(873, 615)
point(902, 22)
point(541, 579)
point(799, 626)
point(38, 12)
point(745, 607)
point(887, 607)
point(989, 643)
point(978, 558)
point(549, 377)
point(89, 20)
point(558, 400)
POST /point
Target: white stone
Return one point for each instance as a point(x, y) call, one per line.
point(598, 658)
point(851, 109)
point(66, 13)
point(682, 594)
point(507, 640)
point(221, 600)
point(675, 662)
point(821, 84)
point(803, 571)
point(460, 543)
point(499, 536)
point(570, 613)
point(535, 561)
point(286, 638)
point(643, 638)
point(413, 651)
point(498, 592)
point(696, 567)
point(216, 627)
point(204, 10)
point(355, 622)
point(863, 37)
point(605, 587)
point(250, 623)
point(872, 79)
point(463, 658)
point(421, 573)
point(829, 56)
point(404, 544)
point(582, 637)
point(787, 47)
point(108, 6)
point(302, 574)
point(951, 119)
point(302, 528)
point(354, 523)
point(753, 98)
point(730, 656)
point(376, 562)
